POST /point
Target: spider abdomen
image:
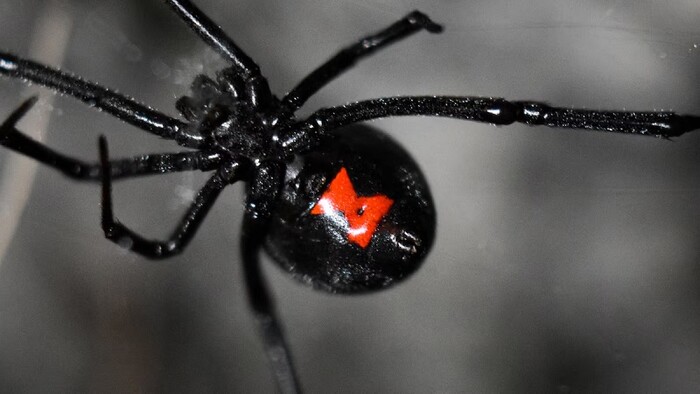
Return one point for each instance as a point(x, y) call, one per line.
point(355, 215)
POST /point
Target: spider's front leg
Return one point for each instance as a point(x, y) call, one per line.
point(246, 69)
point(228, 173)
point(263, 192)
point(118, 105)
point(13, 139)
point(212, 34)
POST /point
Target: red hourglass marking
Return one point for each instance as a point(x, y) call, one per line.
point(361, 213)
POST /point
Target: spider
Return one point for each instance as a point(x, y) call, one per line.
point(343, 211)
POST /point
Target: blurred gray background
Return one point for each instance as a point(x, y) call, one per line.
point(565, 261)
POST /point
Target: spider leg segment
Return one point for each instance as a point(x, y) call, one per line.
point(120, 169)
point(101, 98)
point(212, 34)
point(263, 193)
point(227, 174)
point(276, 348)
point(498, 111)
point(664, 124)
point(347, 57)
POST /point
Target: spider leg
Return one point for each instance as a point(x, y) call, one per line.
point(263, 192)
point(213, 36)
point(276, 348)
point(123, 168)
point(94, 95)
point(228, 173)
point(347, 57)
point(305, 135)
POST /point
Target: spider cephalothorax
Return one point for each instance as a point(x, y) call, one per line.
point(344, 209)
point(231, 117)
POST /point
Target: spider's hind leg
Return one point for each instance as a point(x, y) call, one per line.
point(261, 197)
point(278, 352)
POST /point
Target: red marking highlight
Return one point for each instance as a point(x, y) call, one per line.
point(362, 213)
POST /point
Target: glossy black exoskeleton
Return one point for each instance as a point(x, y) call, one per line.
point(316, 248)
point(343, 209)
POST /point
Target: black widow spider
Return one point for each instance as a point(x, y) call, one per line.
point(342, 212)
